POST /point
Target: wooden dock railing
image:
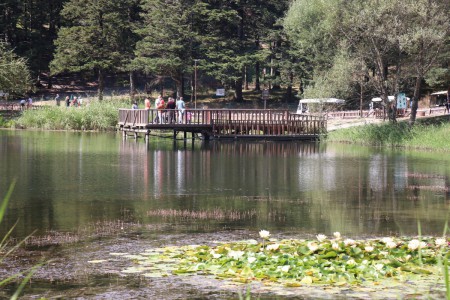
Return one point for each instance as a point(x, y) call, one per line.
point(225, 122)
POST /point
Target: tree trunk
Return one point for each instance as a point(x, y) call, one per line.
point(276, 74)
point(257, 74)
point(415, 101)
point(238, 90)
point(49, 82)
point(132, 85)
point(245, 79)
point(100, 85)
point(289, 88)
point(179, 85)
point(181, 92)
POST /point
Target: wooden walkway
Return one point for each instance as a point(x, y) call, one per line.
point(224, 123)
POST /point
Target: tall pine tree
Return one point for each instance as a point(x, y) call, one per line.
point(96, 37)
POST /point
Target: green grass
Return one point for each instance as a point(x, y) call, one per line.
point(431, 135)
point(95, 116)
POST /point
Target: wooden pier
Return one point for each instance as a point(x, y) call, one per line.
point(223, 123)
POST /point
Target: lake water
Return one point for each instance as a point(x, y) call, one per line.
point(66, 180)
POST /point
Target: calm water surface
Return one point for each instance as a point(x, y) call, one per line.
point(68, 180)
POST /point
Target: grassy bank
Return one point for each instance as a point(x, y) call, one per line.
point(94, 116)
point(430, 135)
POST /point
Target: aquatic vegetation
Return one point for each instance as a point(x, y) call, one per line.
point(95, 116)
point(432, 136)
point(298, 262)
point(215, 214)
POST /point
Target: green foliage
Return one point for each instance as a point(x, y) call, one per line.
point(97, 37)
point(309, 26)
point(4, 123)
point(336, 82)
point(95, 116)
point(15, 77)
point(394, 42)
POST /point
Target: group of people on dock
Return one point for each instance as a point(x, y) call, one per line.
point(26, 103)
point(171, 112)
point(74, 102)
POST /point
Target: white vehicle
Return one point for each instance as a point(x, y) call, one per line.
point(303, 104)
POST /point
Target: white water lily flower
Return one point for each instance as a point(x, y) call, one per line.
point(349, 242)
point(273, 247)
point(235, 254)
point(321, 237)
point(351, 262)
point(407, 257)
point(391, 244)
point(312, 246)
point(285, 269)
point(440, 242)
point(423, 245)
point(368, 248)
point(387, 240)
point(264, 234)
point(413, 244)
point(379, 267)
point(214, 254)
point(335, 246)
point(251, 259)
point(337, 235)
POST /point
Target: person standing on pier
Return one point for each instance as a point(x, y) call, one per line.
point(157, 103)
point(171, 109)
point(181, 107)
point(161, 111)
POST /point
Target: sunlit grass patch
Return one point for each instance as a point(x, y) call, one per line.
point(420, 136)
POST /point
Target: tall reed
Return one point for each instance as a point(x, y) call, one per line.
point(94, 116)
point(6, 250)
point(434, 136)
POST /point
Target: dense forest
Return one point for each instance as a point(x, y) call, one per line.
point(351, 49)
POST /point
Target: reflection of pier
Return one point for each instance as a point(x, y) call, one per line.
point(224, 123)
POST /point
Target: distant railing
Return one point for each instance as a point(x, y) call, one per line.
point(14, 106)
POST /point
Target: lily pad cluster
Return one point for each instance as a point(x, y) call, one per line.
point(296, 262)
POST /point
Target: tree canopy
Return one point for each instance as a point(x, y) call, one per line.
point(15, 77)
point(349, 49)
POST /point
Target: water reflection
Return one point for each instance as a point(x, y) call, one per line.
point(68, 180)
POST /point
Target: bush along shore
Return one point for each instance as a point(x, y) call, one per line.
point(428, 135)
point(94, 116)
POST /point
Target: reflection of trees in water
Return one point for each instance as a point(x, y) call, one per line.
point(306, 185)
